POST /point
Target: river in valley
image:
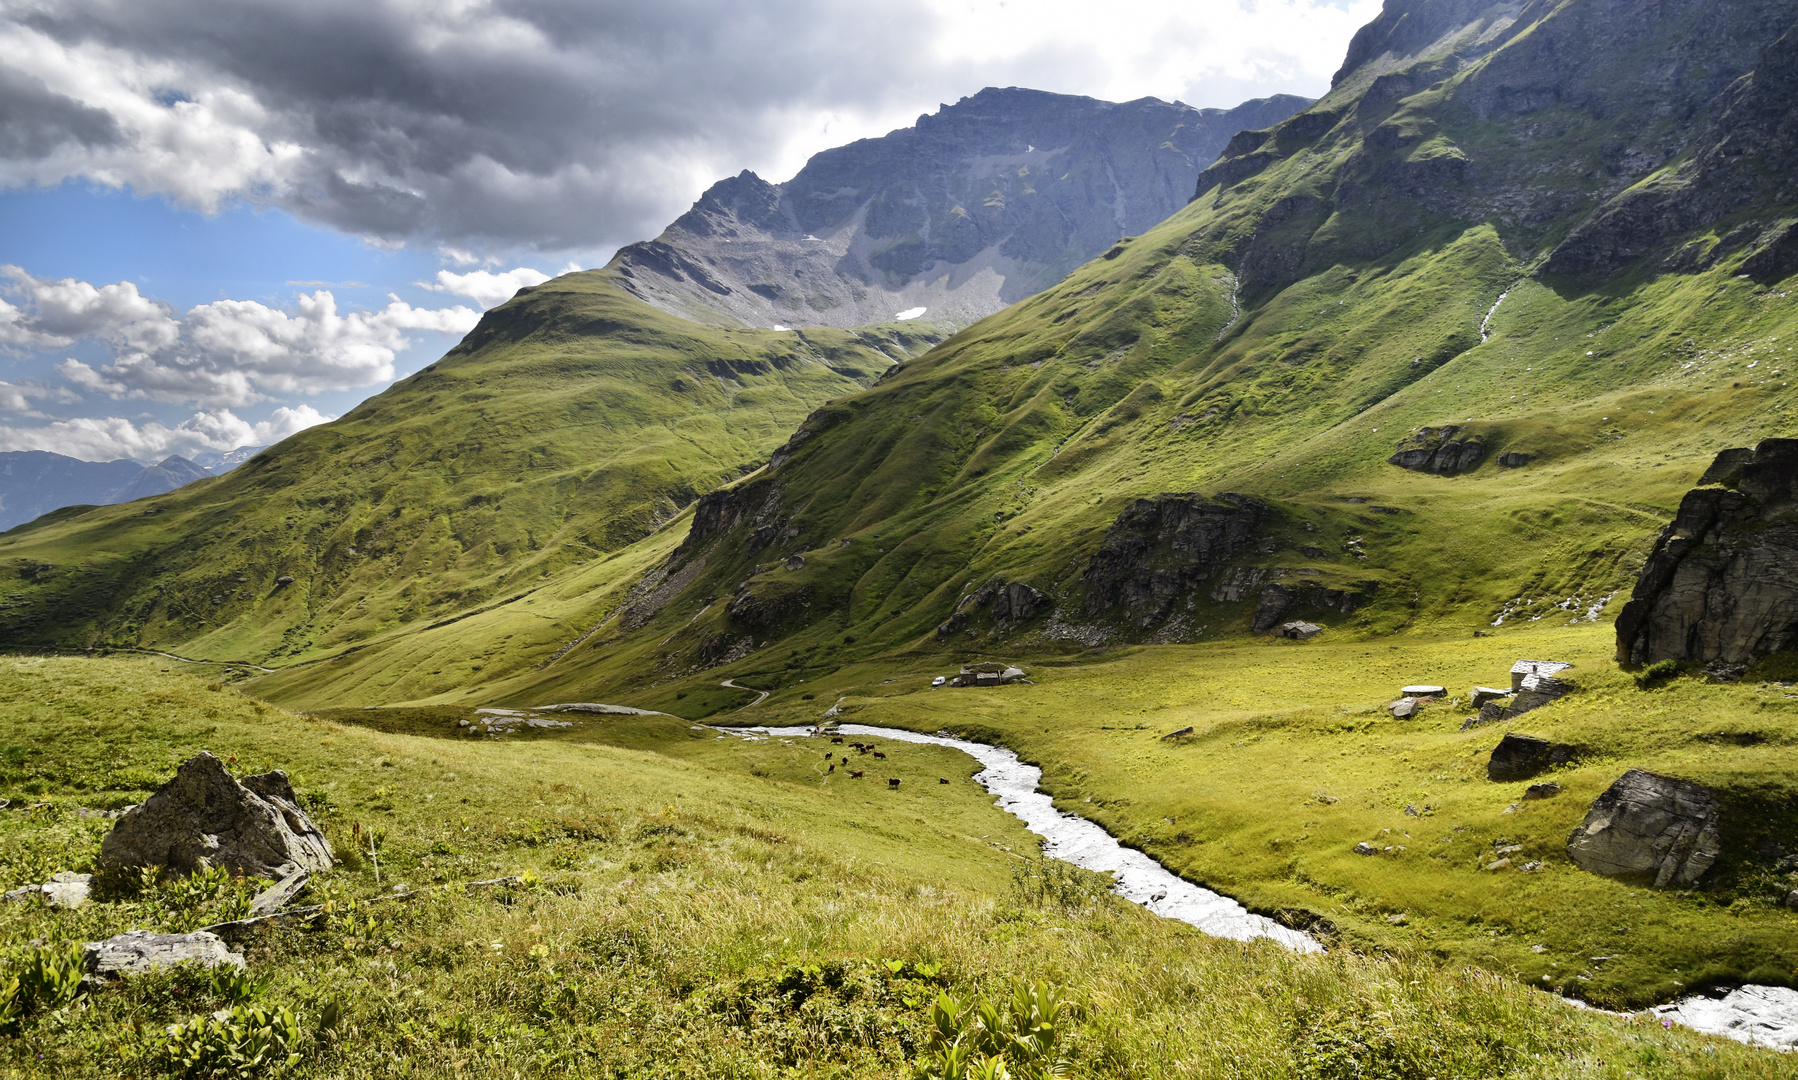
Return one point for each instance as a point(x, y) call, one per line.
point(1071, 838)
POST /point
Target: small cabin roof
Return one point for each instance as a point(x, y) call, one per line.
point(1538, 667)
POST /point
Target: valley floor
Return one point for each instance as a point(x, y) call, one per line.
point(702, 907)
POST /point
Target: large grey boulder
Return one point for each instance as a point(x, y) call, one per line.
point(137, 951)
point(1649, 827)
point(1722, 581)
point(206, 816)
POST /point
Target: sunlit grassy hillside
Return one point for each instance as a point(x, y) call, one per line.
point(573, 421)
point(712, 913)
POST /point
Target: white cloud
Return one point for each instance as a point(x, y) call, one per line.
point(17, 397)
point(485, 287)
point(226, 353)
point(112, 437)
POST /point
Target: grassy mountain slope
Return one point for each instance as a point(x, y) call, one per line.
point(573, 421)
point(1372, 268)
point(723, 915)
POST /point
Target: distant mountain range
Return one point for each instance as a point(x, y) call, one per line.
point(986, 202)
point(35, 482)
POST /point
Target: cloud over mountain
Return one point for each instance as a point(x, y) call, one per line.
point(563, 124)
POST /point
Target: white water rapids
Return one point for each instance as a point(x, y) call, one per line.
point(1071, 838)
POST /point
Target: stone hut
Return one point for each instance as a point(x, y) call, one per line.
point(1524, 673)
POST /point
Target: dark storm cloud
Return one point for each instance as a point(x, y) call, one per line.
point(537, 123)
point(35, 122)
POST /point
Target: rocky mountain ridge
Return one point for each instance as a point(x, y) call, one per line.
point(975, 207)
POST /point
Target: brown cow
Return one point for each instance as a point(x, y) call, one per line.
point(942, 779)
point(855, 774)
point(893, 782)
point(833, 768)
point(836, 738)
point(880, 755)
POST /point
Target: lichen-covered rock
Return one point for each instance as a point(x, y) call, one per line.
point(204, 815)
point(1519, 757)
point(1722, 581)
point(1649, 827)
point(136, 951)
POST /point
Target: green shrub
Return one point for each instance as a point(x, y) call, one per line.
point(1018, 1036)
point(38, 978)
point(244, 1041)
point(1659, 673)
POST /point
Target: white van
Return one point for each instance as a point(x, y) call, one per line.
point(938, 681)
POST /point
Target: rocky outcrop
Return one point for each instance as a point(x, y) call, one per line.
point(1722, 581)
point(975, 207)
point(1743, 160)
point(1443, 451)
point(1519, 757)
point(1158, 551)
point(1006, 603)
point(136, 952)
point(756, 505)
point(761, 609)
point(205, 816)
point(1651, 828)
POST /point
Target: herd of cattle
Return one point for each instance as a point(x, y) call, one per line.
point(862, 748)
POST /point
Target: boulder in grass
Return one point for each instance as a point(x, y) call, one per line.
point(1519, 757)
point(137, 951)
point(1649, 827)
point(205, 816)
point(64, 890)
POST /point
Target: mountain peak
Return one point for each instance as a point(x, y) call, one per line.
point(976, 206)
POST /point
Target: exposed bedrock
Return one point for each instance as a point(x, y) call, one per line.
point(1163, 556)
point(1006, 603)
point(1722, 581)
point(1444, 451)
point(1159, 550)
point(1649, 827)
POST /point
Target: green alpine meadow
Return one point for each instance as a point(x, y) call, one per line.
point(1393, 546)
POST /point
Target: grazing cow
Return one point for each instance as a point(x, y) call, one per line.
point(836, 738)
point(833, 768)
point(893, 782)
point(845, 759)
point(855, 774)
point(827, 755)
point(942, 779)
point(880, 755)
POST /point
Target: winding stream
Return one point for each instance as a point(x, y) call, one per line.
point(1071, 838)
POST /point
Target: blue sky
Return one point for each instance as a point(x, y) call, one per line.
point(215, 231)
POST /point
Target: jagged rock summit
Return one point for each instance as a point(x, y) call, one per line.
point(977, 206)
point(1722, 581)
point(204, 815)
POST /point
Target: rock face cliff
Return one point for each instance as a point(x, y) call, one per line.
point(986, 202)
point(1722, 581)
